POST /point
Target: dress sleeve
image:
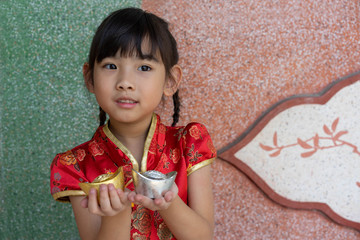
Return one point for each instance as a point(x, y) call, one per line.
point(65, 175)
point(199, 150)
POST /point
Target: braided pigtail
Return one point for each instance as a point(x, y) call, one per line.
point(176, 115)
point(102, 116)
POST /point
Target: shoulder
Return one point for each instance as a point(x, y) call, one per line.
point(72, 156)
point(77, 153)
point(193, 137)
point(194, 130)
point(197, 136)
point(69, 160)
point(198, 148)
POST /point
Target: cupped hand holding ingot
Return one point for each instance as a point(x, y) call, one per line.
point(152, 183)
point(117, 179)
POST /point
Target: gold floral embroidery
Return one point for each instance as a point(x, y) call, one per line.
point(153, 147)
point(163, 232)
point(192, 154)
point(137, 236)
point(142, 220)
point(195, 132)
point(163, 163)
point(80, 154)
point(175, 155)
point(67, 158)
point(95, 149)
point(180, 133)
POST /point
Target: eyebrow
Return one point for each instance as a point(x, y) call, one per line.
point(150, 57)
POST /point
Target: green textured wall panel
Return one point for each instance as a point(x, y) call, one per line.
point(44, 107)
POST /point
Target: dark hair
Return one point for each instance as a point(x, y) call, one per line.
point(124, 30)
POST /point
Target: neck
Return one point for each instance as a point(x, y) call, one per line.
point(128, 132)
point(132, 136)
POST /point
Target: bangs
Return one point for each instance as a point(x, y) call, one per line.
point(128, 46)
point(130, 37)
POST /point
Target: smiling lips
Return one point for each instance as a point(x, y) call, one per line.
point(126, 103)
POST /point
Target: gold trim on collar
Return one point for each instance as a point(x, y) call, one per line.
point(199, 165)
point(126, 151)
point(148, 142)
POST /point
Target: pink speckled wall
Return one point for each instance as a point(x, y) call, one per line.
point(240, 58)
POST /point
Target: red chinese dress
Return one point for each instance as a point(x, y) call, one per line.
point(181, 149)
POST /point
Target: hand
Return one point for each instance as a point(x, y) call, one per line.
point(112, 201)
point(161, 203)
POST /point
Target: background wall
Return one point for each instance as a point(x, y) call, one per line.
point(45, 107)
point(239, 58)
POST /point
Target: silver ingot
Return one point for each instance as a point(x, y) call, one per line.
point(153, 183)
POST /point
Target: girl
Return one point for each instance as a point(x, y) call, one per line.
point(132, 64)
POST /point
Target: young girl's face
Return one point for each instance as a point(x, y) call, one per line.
point(129, 88)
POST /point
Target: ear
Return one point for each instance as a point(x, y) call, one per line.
point(173, 81)
point(88, 78)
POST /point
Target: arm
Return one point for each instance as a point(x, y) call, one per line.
point(195, 221)
point(109, 220)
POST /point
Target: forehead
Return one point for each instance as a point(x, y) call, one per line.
point(146, 50)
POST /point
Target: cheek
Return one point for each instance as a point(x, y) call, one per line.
point(102, 85)
point(101, 92)
point(100, 99)
point(155, 95)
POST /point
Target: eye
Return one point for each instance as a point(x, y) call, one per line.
point(110, 66)
point(144, 68)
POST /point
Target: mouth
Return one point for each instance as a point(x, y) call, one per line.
point(126, 102)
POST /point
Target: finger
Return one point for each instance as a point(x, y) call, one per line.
point(131, 196)
point(135, 198)
point(105, 205)
point(146, 202)
point(169, 196)
point(174, 189)
point(139, 199)
point(93, 204)
point(114, 197)
point(123, 196)
point(159, 202)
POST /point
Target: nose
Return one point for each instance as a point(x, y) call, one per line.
point(125, 81)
